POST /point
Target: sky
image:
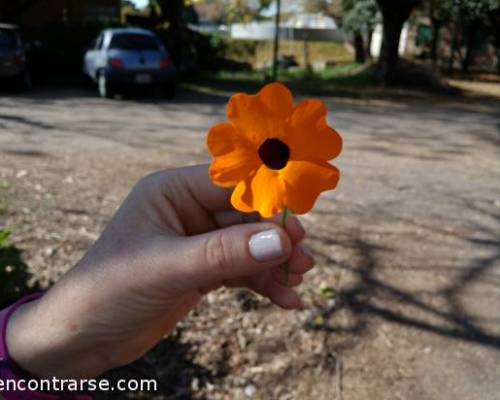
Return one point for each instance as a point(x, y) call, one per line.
point(140, 3)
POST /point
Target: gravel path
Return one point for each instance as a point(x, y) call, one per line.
point(410, 243)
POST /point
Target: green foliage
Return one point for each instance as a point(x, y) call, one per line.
point(3, 206)
point(215, 51)
point(245, 10)
point(316, 6)
point(477, 7)
point(239, 50)
point(359, 15)
point(12, 270)
point(127, 3)
point(230, 11)
point(4, 238)
point(444, 10)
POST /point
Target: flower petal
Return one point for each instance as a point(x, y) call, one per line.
point(305, 180)
point(310, 137)
point(278, 99)
point(264, 192)
point(242, 197)
point(268, 192)
point(250, 117)
point(235, 159)
point(261, 116)
point(308, 112)
point(222, 139)
point(229, 170)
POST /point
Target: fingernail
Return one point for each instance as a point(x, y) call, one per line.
point(266, 245)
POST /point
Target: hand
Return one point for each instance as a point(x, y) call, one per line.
point(175, 238)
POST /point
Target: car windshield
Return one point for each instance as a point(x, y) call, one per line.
point(133, 41)
point(8, 39)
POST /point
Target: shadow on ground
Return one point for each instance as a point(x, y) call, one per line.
point(171, 365)
point(374, 295)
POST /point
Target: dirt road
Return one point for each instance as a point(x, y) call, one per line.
point(410, 242)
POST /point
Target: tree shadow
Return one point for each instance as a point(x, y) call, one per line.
point(426, 131)
point(375, 295)
point(26, 153)
point(170, 364)
point(25, 121)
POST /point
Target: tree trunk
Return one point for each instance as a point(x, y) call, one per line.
point(172, 12)
point(307, 63)
point(276, 42)
point(470, 45)
point(436, 26)
point(454, 45)
point(394, 13)
point(389, 55)
point(359, 48)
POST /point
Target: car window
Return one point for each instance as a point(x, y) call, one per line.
point(133, 41)
point(8, 39)
point(98, 42)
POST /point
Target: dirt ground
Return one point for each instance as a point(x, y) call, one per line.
point(405, 300)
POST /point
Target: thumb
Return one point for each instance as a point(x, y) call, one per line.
point(236, 251)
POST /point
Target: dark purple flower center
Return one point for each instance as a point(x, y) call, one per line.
point(274, 153)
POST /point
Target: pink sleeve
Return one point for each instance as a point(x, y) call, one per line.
point(10, 372)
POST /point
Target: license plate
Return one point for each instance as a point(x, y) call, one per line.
point(143, 78)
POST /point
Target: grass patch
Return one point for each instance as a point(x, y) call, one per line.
point(13, 274)
point(350, 80)
point(4, 185)
point(340, 80)
point(318, 52)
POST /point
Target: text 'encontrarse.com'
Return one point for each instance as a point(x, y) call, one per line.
point(78, 385)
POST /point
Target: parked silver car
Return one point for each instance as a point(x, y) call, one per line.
point(13, 58)
point(128, 57)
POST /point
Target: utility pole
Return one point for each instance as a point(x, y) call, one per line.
point(276, 41)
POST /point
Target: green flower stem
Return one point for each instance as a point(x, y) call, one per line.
point(284, 216)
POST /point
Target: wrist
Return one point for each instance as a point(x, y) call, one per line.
point(40, 343)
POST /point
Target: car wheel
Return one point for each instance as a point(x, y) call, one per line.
point(103, 86)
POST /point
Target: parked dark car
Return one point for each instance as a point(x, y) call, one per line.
point(128, 57)
point(13, 58)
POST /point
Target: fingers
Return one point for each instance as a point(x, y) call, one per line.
point(293, 226)
point(234, 252)
point(227, 218)
point(213, 198)
point(282, 296)
point(196, 181)
point(301, 260)
point(274, 285)
point(279, 274)
point(190, 188)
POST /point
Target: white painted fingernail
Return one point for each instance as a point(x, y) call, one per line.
point(266, 245)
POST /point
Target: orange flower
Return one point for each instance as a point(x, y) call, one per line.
point(273, 152)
